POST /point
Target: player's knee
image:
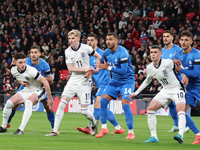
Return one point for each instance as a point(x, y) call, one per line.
point(181, 113)
point(84, 110)
point(62, 104)
point(9, 104)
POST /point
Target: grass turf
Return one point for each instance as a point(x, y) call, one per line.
point(38, 125)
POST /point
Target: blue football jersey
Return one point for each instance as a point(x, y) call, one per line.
point(42, 67)
point(114, 59)
point(188, 61)
point(171, 53)
point(101, 78)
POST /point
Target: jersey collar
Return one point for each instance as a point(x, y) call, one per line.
point(22, 71)
point(158, 64)
point(77, 48)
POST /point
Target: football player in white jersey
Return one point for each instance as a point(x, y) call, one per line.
point(30, 95)
point(77, 57)
point(173, 90)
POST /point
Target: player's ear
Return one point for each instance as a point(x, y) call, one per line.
point(40, 53)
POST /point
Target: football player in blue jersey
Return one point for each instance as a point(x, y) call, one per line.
point(190, 60)
point(169, 52)
point(116, 59)
point(101, 79)
point(43, 67)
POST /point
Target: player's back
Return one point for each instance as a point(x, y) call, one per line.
point(80, 59)
point(42, 67)
point(188, 61)
point(102, 77)
point(29, 75)
point(165, 74)
point(170, 53)
point(115, 59)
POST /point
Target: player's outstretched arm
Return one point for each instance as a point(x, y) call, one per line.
point(48, 90)
point(192, 73)
point(144, 84)
point(71, 68)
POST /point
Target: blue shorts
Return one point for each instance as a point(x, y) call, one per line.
point(191, 97)
point(114, 88)
point(100, 91)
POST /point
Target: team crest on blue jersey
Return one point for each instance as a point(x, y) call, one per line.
point(27, 78)
point(83, 55)
point(165, 72)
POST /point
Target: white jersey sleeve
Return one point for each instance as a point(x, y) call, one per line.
point(145, 83)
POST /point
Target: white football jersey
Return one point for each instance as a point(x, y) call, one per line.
point(29, 75)
point(79, 58)
point(165, 74)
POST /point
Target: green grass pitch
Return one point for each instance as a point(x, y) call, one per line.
point(70, 139)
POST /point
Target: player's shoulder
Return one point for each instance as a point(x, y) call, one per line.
point(28, 60)
point(150, 66)
point(166, 61)
point(107, 51)
point(43, 62)
point(28, 67)
point(163, 49)
point(178, 48)
point(100, 51)
point(121, 48)
point(84, 47)
point(196, 51)
point(13, 69)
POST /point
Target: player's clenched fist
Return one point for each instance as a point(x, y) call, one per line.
point(132, 95)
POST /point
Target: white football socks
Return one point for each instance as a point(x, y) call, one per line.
point(181, 122)
point(27, 114)
point(59, 114)
point(152, 122)
point(6, 113)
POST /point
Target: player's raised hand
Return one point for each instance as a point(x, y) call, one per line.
point(102, 66)
point(88, 73)
point(177, 62)
point(132, 95)
point(178, 68)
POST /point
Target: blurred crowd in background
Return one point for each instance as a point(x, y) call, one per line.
point(138, 23)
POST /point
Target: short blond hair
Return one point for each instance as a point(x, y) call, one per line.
point(75, 32)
